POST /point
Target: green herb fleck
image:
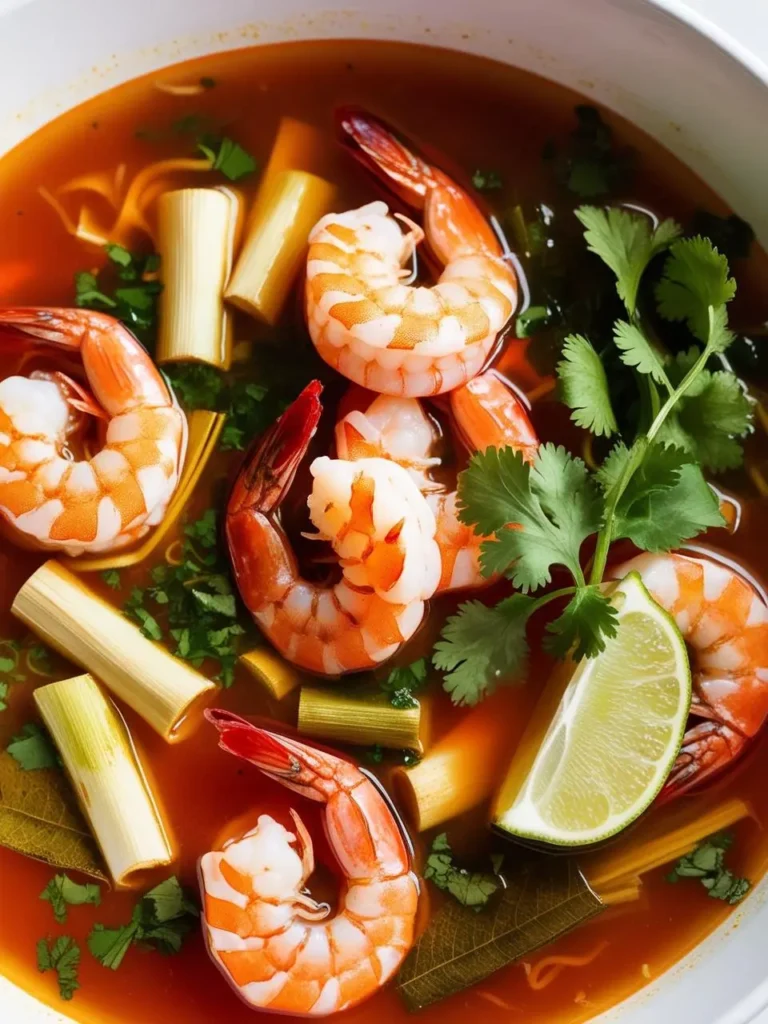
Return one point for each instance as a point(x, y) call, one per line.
point(228, 157)
point(471, 888)
point(32, 749)
point(487, 181)
point(707, 863)
point(404, 681)
point(61, 892)
point(64, 958)
point(160, 920)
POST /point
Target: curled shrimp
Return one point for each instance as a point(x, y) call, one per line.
point(281, 950)
point(724, 622)
point(486, 413)
point(379, 526)
point(386, 335)
point(50, 499)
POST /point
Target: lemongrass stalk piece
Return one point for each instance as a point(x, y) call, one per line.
point(463, 768)
point(278, 676)
point(287, 208)
point(106, 775)
point(197, 230)
point(299, 146)
point(204, 430)
point(79, 624)
point(663, 837)
point(362, 718)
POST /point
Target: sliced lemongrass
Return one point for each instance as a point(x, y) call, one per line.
point(197, 231)
point(363, 718)
point(204, 430)
point(287, 208)
point(298, 146)
point(278, 676)
point(106, 775)
point(464, 766)
point(163, 690)
point(664, 837)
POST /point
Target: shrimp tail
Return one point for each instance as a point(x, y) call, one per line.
point(374, 143)
point(239, 737)
point(273, 459)
point(708, 748)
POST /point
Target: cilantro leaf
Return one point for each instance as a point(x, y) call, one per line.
point(710, 417)
point(403, 681)
point(135, 301)
point(109, 945)
point(584, 387)
point(540, 514)
point(697, 281)
point(3, 695)
point(585, 624)
point(666, 502)
point(229, 157)
point(471, 888)
point(482, 646)
point(627, 242)
point(32, 749)
point(636, 351)
point(64, 958)
point(707, 863)
point(590, 164)
point(62, 891)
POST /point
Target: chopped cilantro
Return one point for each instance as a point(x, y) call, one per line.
point(61, 892)
point(707, 863)
point(64, 958)
point(133, 295)
point(471, 888)
point(3, 695)
point(112, 579)
point(403, 681)
point(161, 920)
point(203, 387)
point(193, 602)
point(410, 757)
point(228, 157)
point(487, 181)
point(32, 749)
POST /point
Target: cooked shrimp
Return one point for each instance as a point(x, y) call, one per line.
point(379, 526)
point(48, 498)
point(281, 950)
point(386, 335)
point(724, 621)
point(486, 412)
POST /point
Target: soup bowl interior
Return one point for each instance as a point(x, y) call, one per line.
point(650, 62)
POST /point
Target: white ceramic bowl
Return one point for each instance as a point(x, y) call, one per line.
point(654, 61)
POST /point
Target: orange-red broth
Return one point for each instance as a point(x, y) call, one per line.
point(482, 115)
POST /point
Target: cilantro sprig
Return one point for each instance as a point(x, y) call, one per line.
point(63, 957)
point(537, 519)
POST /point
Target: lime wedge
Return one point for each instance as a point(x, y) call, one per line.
point(605, 733)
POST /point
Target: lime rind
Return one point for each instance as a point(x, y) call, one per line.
point(635, 757)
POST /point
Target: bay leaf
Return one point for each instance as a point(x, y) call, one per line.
point(39, 818)
point(545, 897)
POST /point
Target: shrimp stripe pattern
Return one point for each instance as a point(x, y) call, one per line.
point(485, 412)
point(724, 622)
point(389, 336)
point(379, 526)
point(49, 498)
point(278, 948)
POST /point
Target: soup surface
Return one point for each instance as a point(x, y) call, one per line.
point(481, 116)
